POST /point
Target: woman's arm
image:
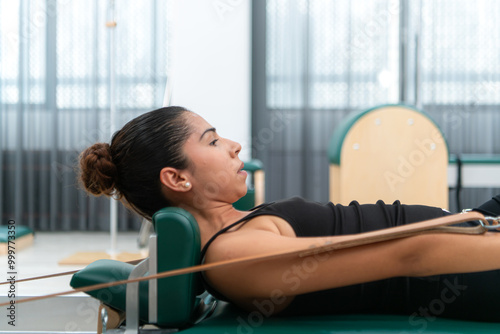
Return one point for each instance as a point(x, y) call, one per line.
point(422, 255)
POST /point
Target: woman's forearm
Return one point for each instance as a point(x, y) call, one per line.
point(453, 253)
point(421, 255)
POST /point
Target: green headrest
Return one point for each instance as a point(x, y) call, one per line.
point(248, 201)
point(178, 246)
point(104, 271)
point(253, 165)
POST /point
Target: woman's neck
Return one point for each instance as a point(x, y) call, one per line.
point(212, 218)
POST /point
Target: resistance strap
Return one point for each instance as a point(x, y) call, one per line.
point(437, 225)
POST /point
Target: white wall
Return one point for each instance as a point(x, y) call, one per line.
point(211, 63)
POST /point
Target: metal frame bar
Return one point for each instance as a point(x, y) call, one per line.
point(132, 306)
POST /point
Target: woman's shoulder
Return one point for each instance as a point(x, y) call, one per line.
point(243, 241)
point(268, 218)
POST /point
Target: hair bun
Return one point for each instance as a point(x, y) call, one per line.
point(98, 172)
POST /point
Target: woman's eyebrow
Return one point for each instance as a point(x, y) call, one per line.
point(207, 130)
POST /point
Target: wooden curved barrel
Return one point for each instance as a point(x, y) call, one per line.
point(391, 152)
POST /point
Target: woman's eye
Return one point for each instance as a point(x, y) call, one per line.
point(213, 142)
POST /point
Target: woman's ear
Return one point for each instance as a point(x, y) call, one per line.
point(173, 179)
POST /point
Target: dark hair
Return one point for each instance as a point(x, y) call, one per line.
point(129, 168)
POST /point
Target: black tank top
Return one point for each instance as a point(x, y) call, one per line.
point(311, 219)
point(467, 296)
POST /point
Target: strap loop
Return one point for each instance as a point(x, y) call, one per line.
point(491, 227)
point(487, 219)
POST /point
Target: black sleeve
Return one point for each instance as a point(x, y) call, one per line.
point(491, 207)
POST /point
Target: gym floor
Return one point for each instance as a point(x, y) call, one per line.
point(49, 248)
point(75, 313)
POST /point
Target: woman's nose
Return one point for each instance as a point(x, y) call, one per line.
point(235, 148)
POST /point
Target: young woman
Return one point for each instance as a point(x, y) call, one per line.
point(173, 157)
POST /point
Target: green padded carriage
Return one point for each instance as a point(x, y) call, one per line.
point(179, 246)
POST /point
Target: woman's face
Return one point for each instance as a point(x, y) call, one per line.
point(214, 166)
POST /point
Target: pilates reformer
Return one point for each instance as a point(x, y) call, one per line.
point(164, 293)
point(180, 303)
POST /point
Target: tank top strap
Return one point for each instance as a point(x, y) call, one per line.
point(252, 214)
